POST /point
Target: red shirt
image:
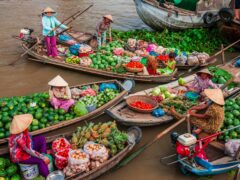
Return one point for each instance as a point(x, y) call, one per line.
point(20, 147)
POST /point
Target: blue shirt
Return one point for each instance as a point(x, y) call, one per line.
point(49, 23)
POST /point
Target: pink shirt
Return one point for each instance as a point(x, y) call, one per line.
point(200, 85)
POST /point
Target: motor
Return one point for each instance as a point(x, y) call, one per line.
point(187, 145)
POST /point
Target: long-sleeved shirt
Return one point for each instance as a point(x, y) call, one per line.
point(20, 147)
point(49, 23)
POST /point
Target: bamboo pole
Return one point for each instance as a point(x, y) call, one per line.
point(223, 54)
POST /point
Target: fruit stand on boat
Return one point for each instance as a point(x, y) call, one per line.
point(86, 153)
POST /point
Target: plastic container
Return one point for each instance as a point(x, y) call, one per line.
point(91, 108)
point(56, 175)
point(29, 171)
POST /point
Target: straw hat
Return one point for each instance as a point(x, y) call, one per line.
point(48, 10)
point(109, 17)
point(58, 81)
point(216, 95)
point(206, 71)
point(20, 123)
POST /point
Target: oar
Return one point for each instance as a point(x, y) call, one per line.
point(140, 150)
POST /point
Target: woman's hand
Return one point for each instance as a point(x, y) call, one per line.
point(46, 160)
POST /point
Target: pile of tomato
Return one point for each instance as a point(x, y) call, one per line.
point(60, 148)
point(141, 105)
point(134, 64)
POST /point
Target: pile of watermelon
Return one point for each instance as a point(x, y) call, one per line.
point(36, 104)
point(8, 170)
point(232, 119)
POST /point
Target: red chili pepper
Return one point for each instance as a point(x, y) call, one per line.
point(134, 64)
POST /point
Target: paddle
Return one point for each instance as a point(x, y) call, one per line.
point(141, 149)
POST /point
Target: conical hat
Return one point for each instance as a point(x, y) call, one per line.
point(206, 71)
point(58, 81)
point(20, 123)
point(108, 16)
point(216, 95)
point(48, 10)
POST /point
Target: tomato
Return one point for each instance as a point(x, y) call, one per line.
point(141, 105)
point(134, 64)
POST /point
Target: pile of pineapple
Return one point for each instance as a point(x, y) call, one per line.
point(103, 133)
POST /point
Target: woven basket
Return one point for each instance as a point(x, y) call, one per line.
point(143, 98)
point(134, 70)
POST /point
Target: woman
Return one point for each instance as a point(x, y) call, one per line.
point(211, 121)
point(24, 148)
point(102, 27)
point(60, 95)
point(235, 4)
point(50, 23)
point(201, 82)
point(171, 63)
point(152, 65)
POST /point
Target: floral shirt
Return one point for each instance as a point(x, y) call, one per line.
point(102, 27)
point(200, 85)
point(20, 147)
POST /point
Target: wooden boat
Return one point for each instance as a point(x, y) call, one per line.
point(41, 57)
point(126, 116)
point(158, 17)
point(79, 37)
point(134, 135)
point(88, 116)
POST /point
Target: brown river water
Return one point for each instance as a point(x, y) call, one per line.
point(27, 77)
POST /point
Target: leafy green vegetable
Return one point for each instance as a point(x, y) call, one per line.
point(201, 40)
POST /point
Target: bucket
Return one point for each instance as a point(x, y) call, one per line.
point(91, 108)
point(56, 175)
point(29, 171)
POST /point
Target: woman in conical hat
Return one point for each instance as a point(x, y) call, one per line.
point(60, 95)
point(102, 27)
point(202, 81)
point(24, 148)
point(211, 121)
point(50, 22)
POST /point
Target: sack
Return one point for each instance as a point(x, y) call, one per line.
point(80, 109)
point(61, 159)
point(60, 144)
point(78, 157)
point(232, 146)
point(96, 151)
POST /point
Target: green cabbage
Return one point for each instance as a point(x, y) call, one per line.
point(80, 109)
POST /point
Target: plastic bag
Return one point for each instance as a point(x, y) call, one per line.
point(96, 151)
point(232, 146)
point(75, 92)
point(74, 49)
point(192, 60)
point(60, 144)
point(104, 86)
point(181, 59)
point(78, 161)
point(61, 159)
point(88, 91)
point(80, 109)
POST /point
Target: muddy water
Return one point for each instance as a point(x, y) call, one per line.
point(27, 77)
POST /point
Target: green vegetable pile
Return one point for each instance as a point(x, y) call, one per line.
point(232, 119)
point(36, 104)
point(72, 60)
point(106, 96)
point(103, 133)
point(9, 170)
point(201, 40)
point(180, 105)
point(221, 76)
